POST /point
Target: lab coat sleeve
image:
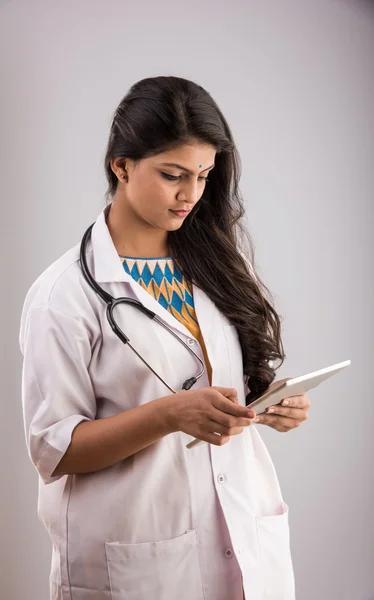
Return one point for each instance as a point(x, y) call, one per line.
point(57, 391)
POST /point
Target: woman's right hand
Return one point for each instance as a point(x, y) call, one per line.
point(204, 413)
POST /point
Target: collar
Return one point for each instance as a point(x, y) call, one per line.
point(107, 264)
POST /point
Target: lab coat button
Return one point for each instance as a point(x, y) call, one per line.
point(229, 553)
point(221, 478)
point(190, 342)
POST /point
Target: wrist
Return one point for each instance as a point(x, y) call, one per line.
point(165, 409)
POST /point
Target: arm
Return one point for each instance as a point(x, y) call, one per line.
point(58, 397)
point(63, 434)
point(59, 404)
point(201, 413)
point(101, 443)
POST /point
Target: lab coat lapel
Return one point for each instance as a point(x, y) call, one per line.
point(206, 312)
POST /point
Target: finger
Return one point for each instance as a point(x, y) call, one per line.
point(300, 401)
point(223, 430)
point(232, 408)
point(214, 438)
point(232, 420)
point(277, 422)
point(299, 414)
point(229, 420)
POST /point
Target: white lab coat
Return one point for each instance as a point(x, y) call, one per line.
point(168, 523)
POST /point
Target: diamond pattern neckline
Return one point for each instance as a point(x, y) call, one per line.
point(165, 282)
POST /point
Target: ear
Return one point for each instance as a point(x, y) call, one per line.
point(118, 164)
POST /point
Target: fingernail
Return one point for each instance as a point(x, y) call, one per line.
point(257, 419)
point(270, 410)
point(285, 402)
point(251, 414)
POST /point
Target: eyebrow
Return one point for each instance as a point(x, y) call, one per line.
point(183, 168)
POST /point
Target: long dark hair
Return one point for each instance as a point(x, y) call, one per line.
point(159, 114)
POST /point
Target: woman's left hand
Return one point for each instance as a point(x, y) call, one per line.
point(287, 415)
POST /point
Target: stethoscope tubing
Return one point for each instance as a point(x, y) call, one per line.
point(112, 302)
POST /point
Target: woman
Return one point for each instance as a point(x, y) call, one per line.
point(132, 512)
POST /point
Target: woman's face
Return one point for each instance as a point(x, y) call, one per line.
point(154, 189)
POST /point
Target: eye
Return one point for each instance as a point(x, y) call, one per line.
point(170, 177)
point(176, 177)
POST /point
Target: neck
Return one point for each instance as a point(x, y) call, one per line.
point(133, 237)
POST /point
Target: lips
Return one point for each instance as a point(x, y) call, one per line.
point(180, 212)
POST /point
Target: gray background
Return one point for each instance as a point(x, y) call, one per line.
point(295, 81)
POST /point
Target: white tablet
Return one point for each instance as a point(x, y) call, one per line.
point(291, 387)
point(295, 386)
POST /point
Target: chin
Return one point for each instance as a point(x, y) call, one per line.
point(173, 224)
point(167, 224)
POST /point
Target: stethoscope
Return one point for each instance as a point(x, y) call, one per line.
point(112, 302)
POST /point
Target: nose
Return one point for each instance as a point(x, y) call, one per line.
point(189, 193)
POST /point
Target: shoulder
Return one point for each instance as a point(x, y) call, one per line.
point(60, 288)
point(61, 274)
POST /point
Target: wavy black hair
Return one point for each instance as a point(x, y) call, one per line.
point(213, 247)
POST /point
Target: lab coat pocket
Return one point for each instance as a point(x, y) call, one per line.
point(274, 543)
point(163, 570)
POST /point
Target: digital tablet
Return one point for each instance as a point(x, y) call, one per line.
point(295, 386)
point(291, 387)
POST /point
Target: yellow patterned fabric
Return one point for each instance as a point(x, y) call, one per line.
point(165, 282)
